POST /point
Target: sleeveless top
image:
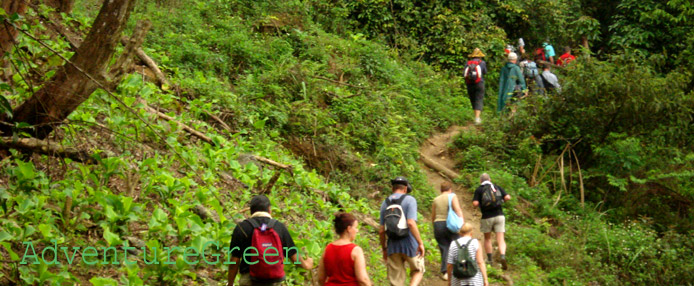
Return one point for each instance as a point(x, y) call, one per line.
point(339, 265)
point(441, 203)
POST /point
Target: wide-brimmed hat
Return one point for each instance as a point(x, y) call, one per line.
point(477, 53)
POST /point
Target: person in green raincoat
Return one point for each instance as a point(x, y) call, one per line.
point(510, 82)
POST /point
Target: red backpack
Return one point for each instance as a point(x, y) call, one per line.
point(473, 72)
point(270, 267)
point(540, 54)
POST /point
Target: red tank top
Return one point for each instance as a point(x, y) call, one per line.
point(339, 265)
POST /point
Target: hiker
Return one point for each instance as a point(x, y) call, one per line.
point(511, 82)
point(566, 58)
point(540, 55)
point(549, 51)
point(550, 82)
point(530, 72)
point(399, 222)
point(447, 201)
point(474, 73)
point(521, 47)
point(343, 262)
point(261, 233)
point(475, 252)
point(489, 198)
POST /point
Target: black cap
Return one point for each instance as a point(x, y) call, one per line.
point(400, 180)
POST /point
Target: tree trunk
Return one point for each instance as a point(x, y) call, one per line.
point(584, 43)
point(63, 6)
point(7, 36)
point(71, 86)
point(7, 32)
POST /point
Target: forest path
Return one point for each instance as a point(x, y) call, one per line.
point(435, 149)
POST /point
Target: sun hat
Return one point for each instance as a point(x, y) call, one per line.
point(477, 53)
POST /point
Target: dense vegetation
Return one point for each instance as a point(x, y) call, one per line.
point(345, 92)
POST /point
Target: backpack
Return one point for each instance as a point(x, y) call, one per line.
point(530, 70)
point(491, 197)
point(464, 266)
point(473, 72)
point(394, 219)
point(540, 54)
point(453, 221)
point(547, 84)
point(266, 267)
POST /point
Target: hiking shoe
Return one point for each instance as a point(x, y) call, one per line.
point(504, 265)
point(444, 276)
point(478, 121)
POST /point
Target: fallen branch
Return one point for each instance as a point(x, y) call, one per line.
point(125, 60)
point(271, 183)
point(438, 167)
point(161, 78)
point(270, 162)
point(48, 148)
point(185, 127)
point(221, 122)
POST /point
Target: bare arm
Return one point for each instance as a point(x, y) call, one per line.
point(415, 232)
point(360, 267)
point(382, 239)
point(481, 265)
point(233, 270)
point(322, 278)
point(306, 262)
point(449, 270)
point(507, 198)
point(456, 207)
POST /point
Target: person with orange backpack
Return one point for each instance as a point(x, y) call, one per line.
point(475, 69)
point(259, 246)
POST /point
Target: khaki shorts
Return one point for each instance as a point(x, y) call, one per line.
point(245, 280)
point(497, 224)
point(397, 274)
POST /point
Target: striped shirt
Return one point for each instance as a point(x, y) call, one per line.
point(453, 255)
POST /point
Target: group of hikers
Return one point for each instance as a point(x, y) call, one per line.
point(343, 262)
point(519, 70)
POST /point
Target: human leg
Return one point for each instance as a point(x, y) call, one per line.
point(500, 230)
point(416, 269)
point(442, 236)
point(396, 269)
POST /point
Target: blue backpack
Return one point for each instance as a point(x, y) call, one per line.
point(531, 70)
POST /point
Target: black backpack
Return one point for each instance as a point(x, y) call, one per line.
point(464, 266)
point(490, 198)
point(394, 219)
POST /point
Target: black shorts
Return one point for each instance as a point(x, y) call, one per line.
point(475, 92)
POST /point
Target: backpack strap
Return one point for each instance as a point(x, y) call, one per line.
point(253, 223)
point(271, 223)
point(450, 199)
point(399, 200)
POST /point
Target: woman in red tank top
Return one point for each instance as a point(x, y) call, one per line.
point(343, 262)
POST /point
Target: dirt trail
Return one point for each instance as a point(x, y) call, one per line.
point(436, 149)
